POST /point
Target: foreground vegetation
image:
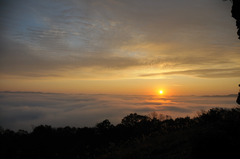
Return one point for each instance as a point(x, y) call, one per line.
point(214, 133)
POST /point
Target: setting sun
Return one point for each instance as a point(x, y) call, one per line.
point(161, 92)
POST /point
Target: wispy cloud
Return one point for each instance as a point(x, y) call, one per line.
point(91, 39)
point(206, 73)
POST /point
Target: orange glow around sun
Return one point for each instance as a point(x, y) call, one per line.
point(161, 92)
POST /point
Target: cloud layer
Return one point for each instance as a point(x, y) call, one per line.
point(22, 110)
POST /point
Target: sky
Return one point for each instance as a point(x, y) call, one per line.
point(117, 47)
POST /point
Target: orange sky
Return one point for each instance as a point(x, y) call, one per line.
point(119, 47)
point(194, 86)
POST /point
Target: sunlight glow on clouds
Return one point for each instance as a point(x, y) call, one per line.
point(94, 38)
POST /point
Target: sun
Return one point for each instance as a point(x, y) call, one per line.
point(161, 92)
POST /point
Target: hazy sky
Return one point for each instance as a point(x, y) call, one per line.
point(119, 46)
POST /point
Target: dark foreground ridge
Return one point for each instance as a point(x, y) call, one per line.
point(213, 134)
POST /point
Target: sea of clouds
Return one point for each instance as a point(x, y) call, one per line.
point(25, 110)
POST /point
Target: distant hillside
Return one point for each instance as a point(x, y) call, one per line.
point(213, 134)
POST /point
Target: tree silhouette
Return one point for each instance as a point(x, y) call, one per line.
point(236, 14)
point(134, 119)
point(106, 124)
point(138, 136)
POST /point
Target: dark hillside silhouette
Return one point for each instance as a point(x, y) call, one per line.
point(214, 133)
